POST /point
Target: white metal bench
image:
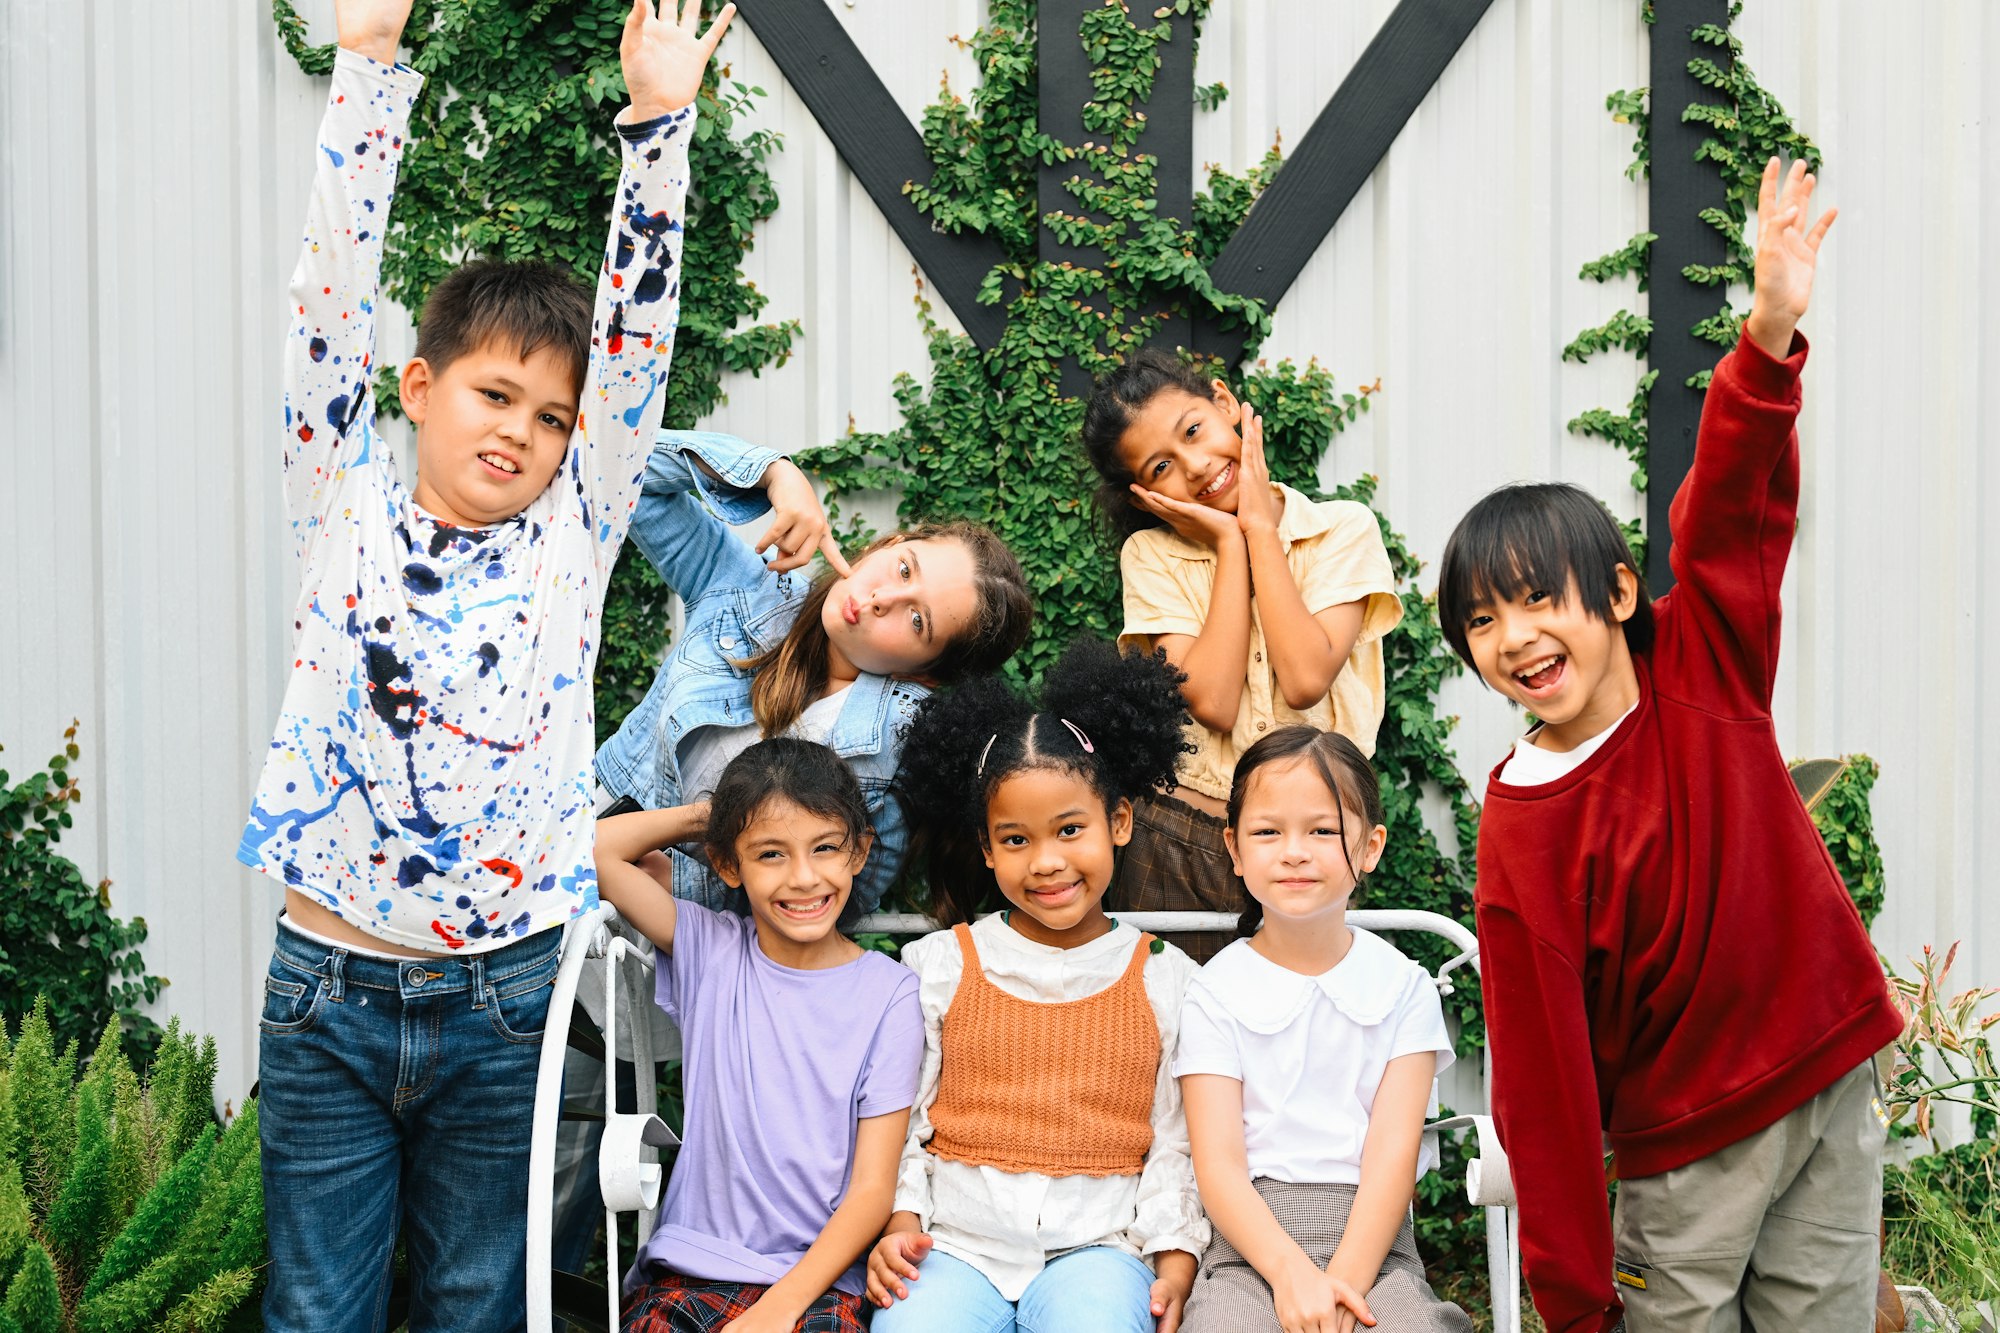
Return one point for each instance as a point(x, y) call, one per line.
point(629, 1164)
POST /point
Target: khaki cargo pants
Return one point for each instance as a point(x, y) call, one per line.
point(1779, 1233)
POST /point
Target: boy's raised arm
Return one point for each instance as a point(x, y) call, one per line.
point(330, 324)
point(1733, 518)
point(639, 283)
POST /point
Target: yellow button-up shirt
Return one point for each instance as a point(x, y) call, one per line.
point(1335, 553)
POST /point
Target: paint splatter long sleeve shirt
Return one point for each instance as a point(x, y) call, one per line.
point(429, 777)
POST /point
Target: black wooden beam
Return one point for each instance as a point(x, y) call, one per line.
point(1680, 188)
point(879, 145)
point(1337, 155)
point(1063, 87)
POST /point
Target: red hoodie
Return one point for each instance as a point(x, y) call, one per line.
point(1669, 957)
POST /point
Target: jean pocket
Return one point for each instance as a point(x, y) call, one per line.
point(518, 1007)
point(289, 1006)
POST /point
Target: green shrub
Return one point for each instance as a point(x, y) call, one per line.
point(121, 1207)
point(57, 935)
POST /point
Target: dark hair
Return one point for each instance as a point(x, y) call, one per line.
point(1342, 767)
point(1108, 415)
point(963, 743)
point(805, 773)
point(1543, 536)
point(524, 306)
point(792, 673)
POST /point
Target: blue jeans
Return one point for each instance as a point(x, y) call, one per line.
point(1098, 1290)
point(399, 1095)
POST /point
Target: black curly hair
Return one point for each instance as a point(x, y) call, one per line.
point(962, 743)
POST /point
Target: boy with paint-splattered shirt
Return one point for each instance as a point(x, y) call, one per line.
point(427, 797)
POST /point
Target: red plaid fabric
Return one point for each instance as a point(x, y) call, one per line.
point(670, 1303)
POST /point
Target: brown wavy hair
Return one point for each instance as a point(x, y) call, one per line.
point(793, 674)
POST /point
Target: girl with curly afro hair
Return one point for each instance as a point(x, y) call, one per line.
point(1046, 1177)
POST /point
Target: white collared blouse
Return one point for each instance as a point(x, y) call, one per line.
point(1310, 1051)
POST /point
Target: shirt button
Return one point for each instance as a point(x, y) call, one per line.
point(1257, 657)
point(728, 643)
point(1260, 726)
point(416, 976)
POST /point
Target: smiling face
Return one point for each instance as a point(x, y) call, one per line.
point(492, 428)
point(1186, 447)
point(900, 607)
point(1546, 651)
point(797, 868)
point(1295, 846)
point(1052, 846)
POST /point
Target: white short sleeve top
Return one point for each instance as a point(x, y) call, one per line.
point(1310, 1051)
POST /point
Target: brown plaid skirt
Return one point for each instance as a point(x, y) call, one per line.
point(1177, 862)
point(670, 1303)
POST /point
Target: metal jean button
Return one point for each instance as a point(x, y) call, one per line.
point(418, 976)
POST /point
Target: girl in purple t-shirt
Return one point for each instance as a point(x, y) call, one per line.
point(800, 1053)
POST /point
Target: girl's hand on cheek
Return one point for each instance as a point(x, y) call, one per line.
point(1197, 523)
point(1256, 507)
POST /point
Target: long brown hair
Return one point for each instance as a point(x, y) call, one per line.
point(793, 674)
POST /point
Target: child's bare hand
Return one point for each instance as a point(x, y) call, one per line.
point(1197, 523)
point(371, 27)
point(1788, 242)
point(760, 1318)
point(1256, 507)
point(893, 1262)
point(1308, 1299)
point(1170, 1290)
point(664, 57)
point(798, 522)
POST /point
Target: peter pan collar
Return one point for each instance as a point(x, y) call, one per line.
point(1366, 985)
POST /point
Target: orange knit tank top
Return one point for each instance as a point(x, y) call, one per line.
point(1059, 1089)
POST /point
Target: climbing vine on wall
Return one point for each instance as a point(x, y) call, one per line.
point(512, 158)
point(993, 437)
point(1747, 127)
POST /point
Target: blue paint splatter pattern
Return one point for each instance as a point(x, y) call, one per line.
point(429, 777)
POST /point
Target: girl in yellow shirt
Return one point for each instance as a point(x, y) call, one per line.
point(1274, 605)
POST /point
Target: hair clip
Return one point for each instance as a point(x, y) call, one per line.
point(1077, 732)
point(980, 771)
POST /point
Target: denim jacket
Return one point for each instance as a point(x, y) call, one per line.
point(735, 609)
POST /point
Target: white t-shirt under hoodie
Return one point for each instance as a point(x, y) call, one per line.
point(1310, 1051)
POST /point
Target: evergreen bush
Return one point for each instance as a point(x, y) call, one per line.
point(122, 1208)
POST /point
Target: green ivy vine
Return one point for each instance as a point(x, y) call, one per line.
point(1747, 127)
point(992, 436)
point(512, 158)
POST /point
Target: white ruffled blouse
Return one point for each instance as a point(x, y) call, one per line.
point(1310, 1051)
point(1007, 1224)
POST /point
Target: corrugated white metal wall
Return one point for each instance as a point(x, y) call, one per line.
point(150, 193)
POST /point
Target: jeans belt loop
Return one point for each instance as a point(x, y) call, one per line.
point(478, 982)
point(336, 975)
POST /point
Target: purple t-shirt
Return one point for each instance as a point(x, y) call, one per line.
point(778, 1065)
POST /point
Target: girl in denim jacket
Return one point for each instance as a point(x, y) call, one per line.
point(842, 659)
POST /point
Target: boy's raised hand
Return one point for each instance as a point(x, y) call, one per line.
point(1787, 256)
point(371, 27)
point(664, 57)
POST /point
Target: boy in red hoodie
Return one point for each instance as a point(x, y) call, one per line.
point(1671, 963)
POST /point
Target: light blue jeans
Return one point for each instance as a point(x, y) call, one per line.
point(1098, 1290)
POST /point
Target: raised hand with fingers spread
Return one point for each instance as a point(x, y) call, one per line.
point(1788, 241)
point(664, 53)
